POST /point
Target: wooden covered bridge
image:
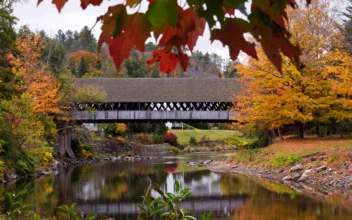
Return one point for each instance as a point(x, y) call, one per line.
point(160, 99)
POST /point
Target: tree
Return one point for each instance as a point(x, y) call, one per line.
point(82, 67)
point(297, 94)
point(84, 61)
point(181, 26)
point(348, 27)
point(7, 40)
point(40, 84)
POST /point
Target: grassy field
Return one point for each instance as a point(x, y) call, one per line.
point(183, 136)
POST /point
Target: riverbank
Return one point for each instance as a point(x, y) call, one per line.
point(317, 165)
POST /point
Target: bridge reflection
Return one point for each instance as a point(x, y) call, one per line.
point(218, 205)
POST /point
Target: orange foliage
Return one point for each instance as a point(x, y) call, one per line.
point(40, 84)
point(91, 59)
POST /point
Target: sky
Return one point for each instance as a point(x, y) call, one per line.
point(46, 17)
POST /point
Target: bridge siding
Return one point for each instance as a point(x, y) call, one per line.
point(91, 116)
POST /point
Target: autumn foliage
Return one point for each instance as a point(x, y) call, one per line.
point(317, 91)
point(170, 138)
point(90, 58)
point(177, 28)
point(40, 84)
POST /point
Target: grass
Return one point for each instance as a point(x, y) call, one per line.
point(324, 151)
point(183, 136)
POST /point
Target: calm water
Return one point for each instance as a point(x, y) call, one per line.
point(113, 189)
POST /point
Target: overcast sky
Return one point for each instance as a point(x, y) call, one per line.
point(72, 17)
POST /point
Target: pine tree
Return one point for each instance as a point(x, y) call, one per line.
point(82, 68)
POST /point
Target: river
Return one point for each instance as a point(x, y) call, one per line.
point(113, 189)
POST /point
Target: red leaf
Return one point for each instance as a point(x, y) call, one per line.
point(168, 34)
point(134, 34)
point(59, 3)
point(85, 3)
point(194, 35)
point(168, 60)
point(184, 61)
point(232, 36)
point(228, 11)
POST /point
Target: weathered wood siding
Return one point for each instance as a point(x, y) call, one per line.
point(102, 116)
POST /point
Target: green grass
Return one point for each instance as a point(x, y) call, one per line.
point(183, 136)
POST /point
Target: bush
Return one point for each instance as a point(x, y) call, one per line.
point(25, 165)
point(120, 129)
point(47, 159)
point(173, 149)
point(204, 139)
point(236, 141)
point(158, 139)
point(144, 138)
point(193, 141)
point(81, 150)
point(170, 138)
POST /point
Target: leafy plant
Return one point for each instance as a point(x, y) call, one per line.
point(193, 141)
point(18, 209)
point(170, 138)
point(151, 207)
point(69, 213)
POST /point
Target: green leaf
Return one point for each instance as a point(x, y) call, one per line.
point(233, 4)
point(188, 217)
point(177, 186)
point(141, 207)
point(162, 13)
point(156, 210)
point(158, 200)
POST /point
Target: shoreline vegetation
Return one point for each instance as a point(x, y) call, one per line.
point(316, 166)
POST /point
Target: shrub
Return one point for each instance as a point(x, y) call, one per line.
point(173, 149)
point(170, 138)
point(25, 165)
point(158, 139)
point(81, 150)
point(144, 138)
point(193, 141)
point(204, 139)
point(47, 159)
point(236, 141)
point(120, 129)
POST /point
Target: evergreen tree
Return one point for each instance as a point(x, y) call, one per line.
point(7, 39)
point(82, 68)
point(87, 40)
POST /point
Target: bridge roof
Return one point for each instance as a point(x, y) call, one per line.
point(165, 89)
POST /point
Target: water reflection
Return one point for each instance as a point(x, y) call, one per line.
point(113, 189)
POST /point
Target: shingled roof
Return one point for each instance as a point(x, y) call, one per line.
point(165, 89)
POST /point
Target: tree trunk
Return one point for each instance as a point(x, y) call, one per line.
point(129, 132)
point(317, 130)
point(333, 126)
point(280, 135)
point(300, 130)
point(273, 133)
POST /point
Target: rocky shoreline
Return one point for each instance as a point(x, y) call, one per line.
point(64, 162)
point(320, 180)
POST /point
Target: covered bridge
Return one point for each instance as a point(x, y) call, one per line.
point(159, 99)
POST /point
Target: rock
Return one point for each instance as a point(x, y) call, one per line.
point(296, 168)
point(288, 177)
point(233, 167)
point(192, 164)
point(207, 162)
point(322, 168)
point(295, 176)
point(308, 171)
point(303, 178)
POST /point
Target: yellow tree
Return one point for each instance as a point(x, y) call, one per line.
point(300, 93)
point(339, 70)
point(40, 84)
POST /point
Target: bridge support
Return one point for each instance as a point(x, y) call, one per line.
point(64, 147)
